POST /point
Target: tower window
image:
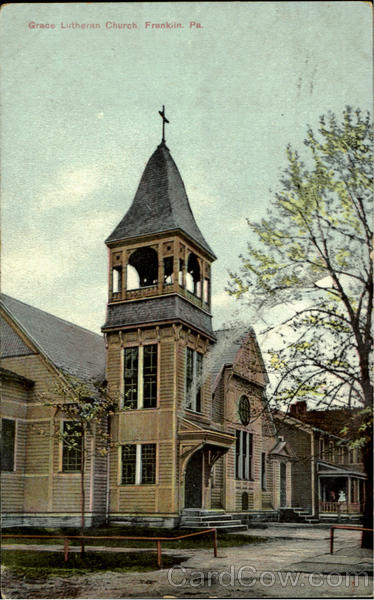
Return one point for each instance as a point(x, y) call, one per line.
point(116, 279)
point(130, 390)
point(8, 438)
point(193, 382)
point(206, 291)
point(142, 268)
point(243, 452)
point(168, 270)
point(140, 376)
point(138, 464)
point(180, 272)
point(193, 282)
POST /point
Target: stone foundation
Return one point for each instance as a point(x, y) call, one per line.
point(145, 521)
point(27, 520)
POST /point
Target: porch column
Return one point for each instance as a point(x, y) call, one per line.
point(349, 495)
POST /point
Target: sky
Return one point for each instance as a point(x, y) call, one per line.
point(79, 121)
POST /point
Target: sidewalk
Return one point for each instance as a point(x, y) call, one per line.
point(295, 566)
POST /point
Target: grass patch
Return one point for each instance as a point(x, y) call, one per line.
point(46, 564)
point(225, 540)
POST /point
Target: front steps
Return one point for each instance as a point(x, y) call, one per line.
point(195, 518)
point(296, 514)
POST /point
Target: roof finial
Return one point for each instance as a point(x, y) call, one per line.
point(164, 120)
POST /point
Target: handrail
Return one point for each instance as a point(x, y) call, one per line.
point(158, 540)
point(343, 527)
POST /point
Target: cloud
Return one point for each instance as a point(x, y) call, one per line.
point(223, 299)
point(70, 187)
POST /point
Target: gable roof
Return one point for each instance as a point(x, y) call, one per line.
point(160, 203)
point(73, 349)
point(224, 351)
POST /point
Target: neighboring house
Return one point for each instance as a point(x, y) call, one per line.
point(192, 428)
point(40, 475)
point(328, 478)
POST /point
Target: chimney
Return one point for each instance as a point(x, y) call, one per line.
point(299, 409)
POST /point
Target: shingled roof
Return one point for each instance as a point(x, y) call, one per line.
point(224, 351)
point(160, 203)
point(73, 349)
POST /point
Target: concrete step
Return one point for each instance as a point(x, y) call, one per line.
point(205, 518)
point(232, 528)
point(209, 524)
point(200, 512)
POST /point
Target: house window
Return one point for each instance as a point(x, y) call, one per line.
point(140, 376)
point(351, 454)
point(194, 371)
point(138, 464)
point(243, 450)
point(8, 438)
point(342, 454)
point(331, 452)
point(71, 446)
point(321, 448)
point(244, 410)
point(263, 471)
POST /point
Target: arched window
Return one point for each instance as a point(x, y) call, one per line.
point(244, 410)
point(193, 282)
point(142, 270)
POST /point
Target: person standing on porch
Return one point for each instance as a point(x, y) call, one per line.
point(342, 497)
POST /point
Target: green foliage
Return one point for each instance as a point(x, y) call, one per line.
point(313, 254)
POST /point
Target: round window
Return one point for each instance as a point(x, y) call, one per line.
point(244, 410)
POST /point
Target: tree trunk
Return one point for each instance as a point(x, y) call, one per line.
point(367, 536)
point(83, 497)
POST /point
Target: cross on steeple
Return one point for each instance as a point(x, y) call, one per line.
point(164, 120)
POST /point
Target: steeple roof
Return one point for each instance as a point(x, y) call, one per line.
point(160, 203)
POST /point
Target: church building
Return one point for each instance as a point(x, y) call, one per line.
point(191, 431)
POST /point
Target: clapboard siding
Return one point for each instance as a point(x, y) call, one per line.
point(141, 499)
point(33, 367)
point(66, 492)
point(12, 492)
point(38, 447)
point(166, 374)
point(165, 463)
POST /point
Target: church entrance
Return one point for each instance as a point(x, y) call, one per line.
point(193, 482)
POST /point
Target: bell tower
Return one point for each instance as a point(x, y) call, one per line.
point(157, 330)
point(159, 261)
